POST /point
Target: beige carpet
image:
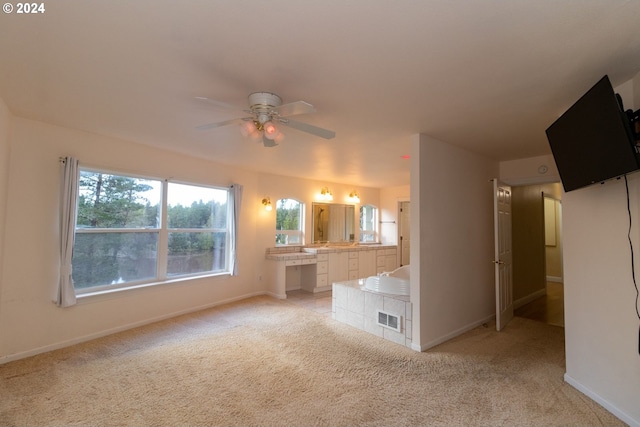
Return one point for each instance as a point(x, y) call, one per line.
point(264, 362)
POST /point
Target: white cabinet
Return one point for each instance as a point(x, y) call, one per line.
point(338, 267)
point(367, 263)
point(386, 260)
point(317, 280)
point(317, 270)
point(390, 259)
point(353, 265)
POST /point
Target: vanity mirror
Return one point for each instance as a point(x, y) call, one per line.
point(333, 222)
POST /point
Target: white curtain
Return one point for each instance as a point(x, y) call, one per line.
point(65, 295)
point(235, 201)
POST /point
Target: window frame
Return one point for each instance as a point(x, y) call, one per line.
point(373, 233)
point(162, 230)
point(297, 233)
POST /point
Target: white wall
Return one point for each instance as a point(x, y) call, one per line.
point(5, 129)
point(29, 322)
point(601, 326)
point(452, 207)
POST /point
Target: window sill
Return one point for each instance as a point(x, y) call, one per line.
point(105, 294)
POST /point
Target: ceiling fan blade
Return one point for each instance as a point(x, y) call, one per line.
point(268, 142)
point(305, 127)
point(224, 123)
point(218, 103)
point(293, 108)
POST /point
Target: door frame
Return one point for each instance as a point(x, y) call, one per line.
point(399, 228)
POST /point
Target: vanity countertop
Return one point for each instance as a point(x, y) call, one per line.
point(290, 255)
point(340, 248)
point(304, 252)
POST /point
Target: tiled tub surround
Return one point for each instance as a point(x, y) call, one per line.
point(315, 268)
point(356, 306)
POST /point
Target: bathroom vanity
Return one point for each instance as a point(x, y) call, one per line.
point(316, 268)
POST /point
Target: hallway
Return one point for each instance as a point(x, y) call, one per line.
point(548, 308)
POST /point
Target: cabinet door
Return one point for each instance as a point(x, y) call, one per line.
point(338, 267)
point(390, 259)
point(390, 262)
point(367, 263)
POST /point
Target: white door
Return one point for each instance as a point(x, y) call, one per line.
point(405, 233)
point(502, 254)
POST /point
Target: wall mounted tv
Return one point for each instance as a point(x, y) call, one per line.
point(593, 141)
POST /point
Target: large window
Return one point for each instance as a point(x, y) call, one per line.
point(289, 224)
point(368, 222)
point(133, 230)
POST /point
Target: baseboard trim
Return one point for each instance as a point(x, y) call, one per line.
point(623, 416)
point(62, 344)
point(424, 347)
point(275, 295)
point(531, 297)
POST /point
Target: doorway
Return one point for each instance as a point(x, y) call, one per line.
point(537, 231)
point(404, 233)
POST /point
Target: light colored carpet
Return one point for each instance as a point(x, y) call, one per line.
point(264, 362)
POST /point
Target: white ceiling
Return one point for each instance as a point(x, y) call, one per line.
point(486, 75)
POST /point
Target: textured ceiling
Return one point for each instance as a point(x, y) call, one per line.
point(489, 76)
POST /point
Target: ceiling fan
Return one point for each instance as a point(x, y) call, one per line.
point(266, 112)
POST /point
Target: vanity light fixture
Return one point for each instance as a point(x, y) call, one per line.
point(326, 194)
point(266, 202)
point(354, 197)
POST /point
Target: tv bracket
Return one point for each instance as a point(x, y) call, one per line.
point(634, 120)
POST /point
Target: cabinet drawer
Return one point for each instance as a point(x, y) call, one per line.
point(321, 280)
point(308, 261)
point(323, 257)
point(353, 254)
point(321, 267)
point(353, 275)
point(353, 264)
point(390, 252)
point(293, 262)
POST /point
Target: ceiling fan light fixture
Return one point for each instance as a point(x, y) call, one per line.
point(266, 109)
point(248, 128)
point(270, 130)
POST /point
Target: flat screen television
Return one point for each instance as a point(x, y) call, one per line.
point(593, 141)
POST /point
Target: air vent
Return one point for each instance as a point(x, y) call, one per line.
point(389, 320)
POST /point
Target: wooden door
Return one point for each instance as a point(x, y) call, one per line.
point(405, 234)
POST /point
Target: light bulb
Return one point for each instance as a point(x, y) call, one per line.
point(247, 128)
point(270, 130)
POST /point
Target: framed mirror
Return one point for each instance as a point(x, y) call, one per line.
point(333, 222)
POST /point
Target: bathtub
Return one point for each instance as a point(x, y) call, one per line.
point(395, 282)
